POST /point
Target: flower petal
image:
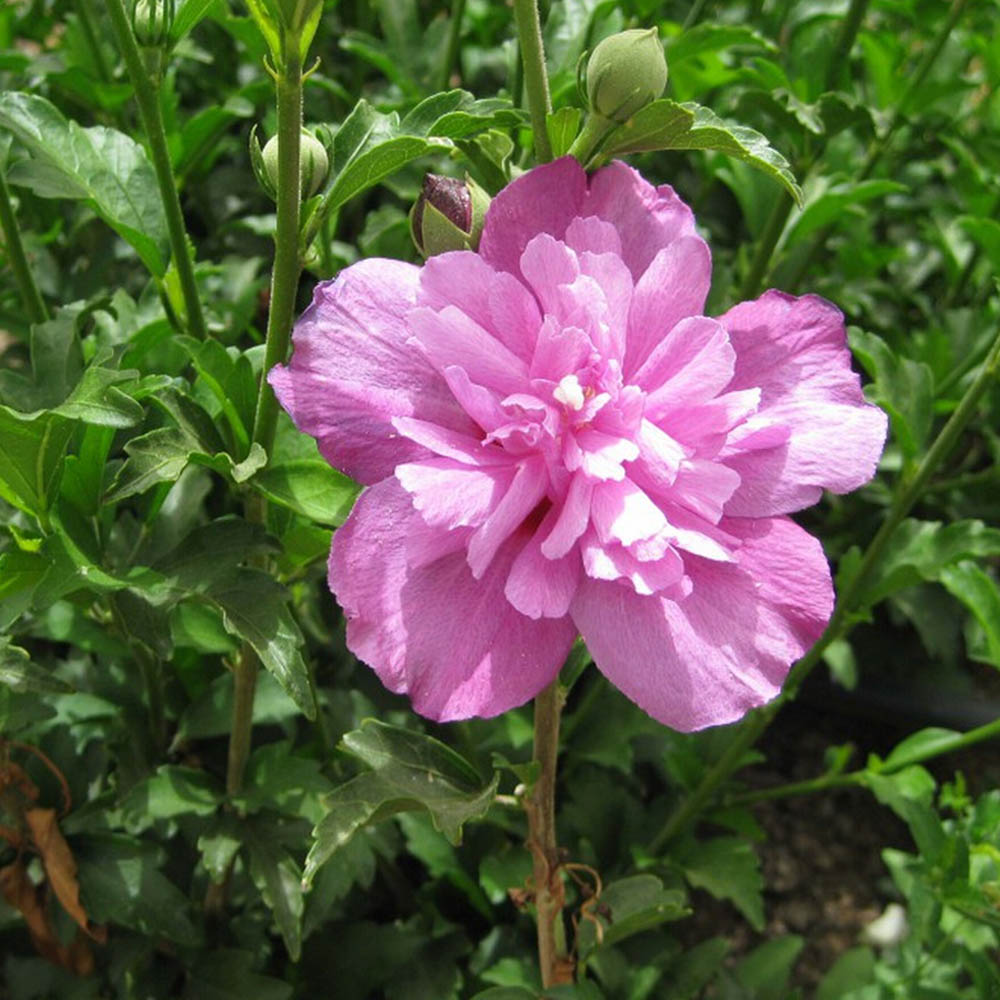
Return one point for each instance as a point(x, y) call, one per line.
point(352, 371)
point(452, 643)
point(795, 350)
point(727, 646)
point(647, 218)
point(540, 587)
point(673, 287)
point(691, 365)
point(544, 200)
point(451, 495)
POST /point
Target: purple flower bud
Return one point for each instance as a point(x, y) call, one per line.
point(448, 215)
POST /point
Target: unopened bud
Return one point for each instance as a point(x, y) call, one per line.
point(625, 73)
point(151, 21)
point(314, 164)
point(448, 215)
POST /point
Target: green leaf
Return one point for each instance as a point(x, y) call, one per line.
point(920, 746)
point(31, 455)
point(836, 203)
point(923, 550)
point(279, 882)
point(766, 970)
point(903, 388)
point(161, 455)
point(311, 488)
point(694, 968)
point(172, 791)
point(98, 165)
point(854, 969)
point(120, 882)
point(709, 37)
point(562, 127)
point(210, 553)
point(255, 608)
point(664, 124)
point(986, 233)
point(978, 591)
point(910, 793)
point(409, 771)
point(20, 573)
point(228, 974)
point(629, 906)
point(728, 868)
point(20, 674)
point(189, 13)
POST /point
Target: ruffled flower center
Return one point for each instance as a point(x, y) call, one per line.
point(617, 476)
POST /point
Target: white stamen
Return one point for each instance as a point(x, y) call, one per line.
point(569, 392)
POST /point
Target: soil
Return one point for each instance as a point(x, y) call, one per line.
point(821, 860)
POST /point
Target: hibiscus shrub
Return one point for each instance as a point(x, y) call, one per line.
point(695, 422)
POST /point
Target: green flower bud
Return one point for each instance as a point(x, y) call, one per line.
point(448, 215)
point(625, 73)
point(151, 21)
point(313, 163)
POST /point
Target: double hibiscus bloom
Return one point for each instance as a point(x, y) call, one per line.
point(555, 440)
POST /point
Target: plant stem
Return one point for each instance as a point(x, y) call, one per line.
point(148, 98)
point(241, 729)
point(849, 28)
point(824, 782)
point(34, 304)
point(588, 142)
point(880, 146)
point(841, 622)
point(773, 229)
point(287, 260)
point(536, 81)
point(284, 284)
point(454, 40)
point(540, 807)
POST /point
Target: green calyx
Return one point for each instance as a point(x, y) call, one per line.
point(151, 22)
point(448, 215)
point(626, 72)
point(314, 164)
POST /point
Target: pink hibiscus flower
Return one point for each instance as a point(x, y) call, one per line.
point(556, 441)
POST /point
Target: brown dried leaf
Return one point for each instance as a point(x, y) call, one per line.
point(60, 866)
point(20, 893)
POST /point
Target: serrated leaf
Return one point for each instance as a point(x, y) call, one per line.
point(121, 883)
point(409, 771)
point(255, 608)
point(728, 868)
point(922, 550)
point(172, 791)
point(279, 882)
point(903, 388)
point(630, 906)
point(311, 488)
point(664, 124)
point(99, 165)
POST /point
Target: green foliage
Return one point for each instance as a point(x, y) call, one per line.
point(148, 544)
